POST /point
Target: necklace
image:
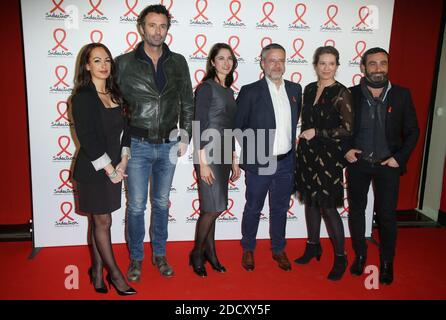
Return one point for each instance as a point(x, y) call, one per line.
point(102, 92)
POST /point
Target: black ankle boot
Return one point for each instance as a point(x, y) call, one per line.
point(386, 272)
point(357, 267)
point(339, 266)
point(312, 250)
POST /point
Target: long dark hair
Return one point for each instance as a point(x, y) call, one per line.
point(82, 77)
point(211, 73)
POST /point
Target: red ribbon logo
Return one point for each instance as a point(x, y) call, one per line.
point(291, 205)
point(169, 39)
point(231, 183)
point(235, 80)
point(298, 50)
point(295, 75)
point(169, 6)
point(61, 78)
point(228, 211)
point(131, 44)
point(200, 47)
point(131, 8)
point(201, 11)
point(198, 80)
point(361, 18)
point(345, 207)
point(330, 42)
point(194, 174)
point(65, 182)
point(95, 7)
point(64, 148)
point(359, 51)
point(356, 78)
point(389, 109)
point(57, 6)
point(64, 114)
point(300, 15)
point(267, 15)
point(196, 210)
point(234, 12)
point(235, 45)
point(330, 15)
point(59, 42)
point(66, 212)
point(262, 42)
point(93, 32)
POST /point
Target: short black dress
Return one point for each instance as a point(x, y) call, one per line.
point(320, 162)
point(105, 197)
point(215, 108)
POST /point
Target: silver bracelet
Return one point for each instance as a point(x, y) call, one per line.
point(113, 175)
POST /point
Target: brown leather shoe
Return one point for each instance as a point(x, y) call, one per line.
point(282, 260)
point(248, 260)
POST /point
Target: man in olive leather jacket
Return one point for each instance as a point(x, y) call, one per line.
point(156, 86)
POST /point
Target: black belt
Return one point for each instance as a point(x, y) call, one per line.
point(154, 141)
point(283, 156)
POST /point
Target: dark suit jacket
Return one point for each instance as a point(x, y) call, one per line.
point(87, 106)
point(401, 123)
point(255, 111)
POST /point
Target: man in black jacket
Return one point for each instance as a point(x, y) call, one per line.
point(155, 83)
point(385, 133)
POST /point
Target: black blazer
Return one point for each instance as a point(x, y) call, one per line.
point(401, 123)
point(86, 106)
point(255, 111)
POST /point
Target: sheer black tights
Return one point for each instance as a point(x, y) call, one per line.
point(102, 252)
point(333, 223)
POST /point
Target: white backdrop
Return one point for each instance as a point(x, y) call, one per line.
point(55, 30)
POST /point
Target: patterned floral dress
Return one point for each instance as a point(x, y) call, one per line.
point(320, 162)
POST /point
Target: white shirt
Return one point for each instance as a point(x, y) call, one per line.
point(282, 114)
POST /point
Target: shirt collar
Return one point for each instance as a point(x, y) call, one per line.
point(272, 84)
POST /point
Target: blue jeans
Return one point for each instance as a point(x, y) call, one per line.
point(156, 162)
point(279, 185)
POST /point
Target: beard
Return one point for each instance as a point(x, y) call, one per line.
point(376, 79)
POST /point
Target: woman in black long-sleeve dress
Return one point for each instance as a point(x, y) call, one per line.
point(101, 162)
point(215, 109)
point(327, 118)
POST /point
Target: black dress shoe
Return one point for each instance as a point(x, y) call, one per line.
point(248, 260)
point(357, 267)
point(197, 266)
point(386, 273)
point(215, 264)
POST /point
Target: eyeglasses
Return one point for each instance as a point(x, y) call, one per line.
point(271, 61)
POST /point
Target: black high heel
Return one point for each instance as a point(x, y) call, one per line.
point(128, 292)
point(102, 289)
point(215, 265)
point(200, 270)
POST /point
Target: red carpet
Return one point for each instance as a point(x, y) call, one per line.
point(419, 273)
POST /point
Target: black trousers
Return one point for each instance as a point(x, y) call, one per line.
point(386, 182)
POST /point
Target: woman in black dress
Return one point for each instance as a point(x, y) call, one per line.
point(215, 109)
point(100, 165)
point(327, 118)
